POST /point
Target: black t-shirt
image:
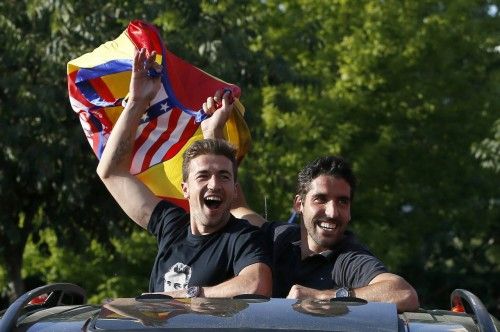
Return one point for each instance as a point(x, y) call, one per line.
point(200, 260)
point(347, 264)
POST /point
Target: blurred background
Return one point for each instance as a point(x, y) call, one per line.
point(408, 91)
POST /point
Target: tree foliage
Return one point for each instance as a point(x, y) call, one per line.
point(47, 175)
point(407, 90)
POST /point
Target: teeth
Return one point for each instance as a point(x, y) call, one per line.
point(213, 198)
point(326, 225)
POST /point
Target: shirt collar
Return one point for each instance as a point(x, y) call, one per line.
point(328, 254)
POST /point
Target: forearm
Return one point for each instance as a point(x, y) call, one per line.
point(114, 167)
point(241, 210)
point(256, 280)
point(117, 155)
point(133, 196)
point(390, 288)
point(385, 287)
point(253, 279)
point(213, 133)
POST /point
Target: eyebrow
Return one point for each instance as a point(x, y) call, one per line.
point(318, 195)
point(345, 197)
point(225, 172)
point(324, 195)
point(220, 172)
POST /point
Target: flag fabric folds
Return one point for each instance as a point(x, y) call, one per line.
point(98, 84)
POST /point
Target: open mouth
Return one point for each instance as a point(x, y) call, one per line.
point(212, 202)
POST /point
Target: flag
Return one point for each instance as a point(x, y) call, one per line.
point(98, 84)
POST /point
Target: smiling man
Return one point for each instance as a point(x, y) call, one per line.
point(320, 258)
point(208, 252)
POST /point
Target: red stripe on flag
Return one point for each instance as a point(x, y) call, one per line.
point(172, 124)
point(103, 118)
point(145, 35)
point(94, 136)
point(74, 92)
point(102, 89)
point(139, 141)
point(188, 132)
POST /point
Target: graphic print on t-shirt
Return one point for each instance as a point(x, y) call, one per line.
point(177, 277)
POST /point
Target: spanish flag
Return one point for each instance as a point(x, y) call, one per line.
point(98, 84)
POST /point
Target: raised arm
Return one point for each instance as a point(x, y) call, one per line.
point(131, 194)
point(385, 287)
point(219, 108)
point(255, 278)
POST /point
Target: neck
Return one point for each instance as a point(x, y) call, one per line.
point(307, 245)
point(206, 228)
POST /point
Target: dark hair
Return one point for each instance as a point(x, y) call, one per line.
point(216, 147)
point(334, 166)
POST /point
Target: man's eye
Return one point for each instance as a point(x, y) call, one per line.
point(343, 201)
point(319, 200)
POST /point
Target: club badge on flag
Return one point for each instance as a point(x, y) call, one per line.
point(98, 84)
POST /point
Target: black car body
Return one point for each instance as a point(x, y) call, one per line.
point(65, 310)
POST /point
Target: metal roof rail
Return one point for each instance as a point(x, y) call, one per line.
point(58, 294)
point(473, 306)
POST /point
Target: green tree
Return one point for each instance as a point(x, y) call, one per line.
point(407, 90)
point(404, 90)
point(47, 176)
point(121, 272)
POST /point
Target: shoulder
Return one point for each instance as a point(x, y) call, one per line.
point(280, 232)
point(350, 243)
point(245, 242)
point(164, 213)
point(237, 226)
point(354, 264)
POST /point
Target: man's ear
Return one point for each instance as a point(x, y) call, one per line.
point(297, 204)
point(236, 189)
point(185, 191)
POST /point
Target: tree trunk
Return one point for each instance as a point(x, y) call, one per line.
point(14, 260)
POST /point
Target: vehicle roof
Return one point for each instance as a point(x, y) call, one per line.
point(241, 313)
point(129, 314)
point(64, 309)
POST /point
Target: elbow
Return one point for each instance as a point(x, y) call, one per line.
point(101, 172)
point(408, 300)
point(105, 171)
point(261, 283)
point(265, 290)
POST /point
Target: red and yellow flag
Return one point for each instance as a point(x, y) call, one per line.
point(98, 84)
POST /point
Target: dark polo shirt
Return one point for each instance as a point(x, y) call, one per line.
point(347, 264)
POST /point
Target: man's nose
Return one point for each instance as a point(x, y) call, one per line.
point(213, 182)
point(331, 209)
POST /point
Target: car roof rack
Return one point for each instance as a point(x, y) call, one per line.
point(153, 296)
point(349, 299)
point(473, 306)
point(58, 294)
point(251, 297)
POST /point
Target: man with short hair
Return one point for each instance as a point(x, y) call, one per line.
point(320, 258)
point(220, 256)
